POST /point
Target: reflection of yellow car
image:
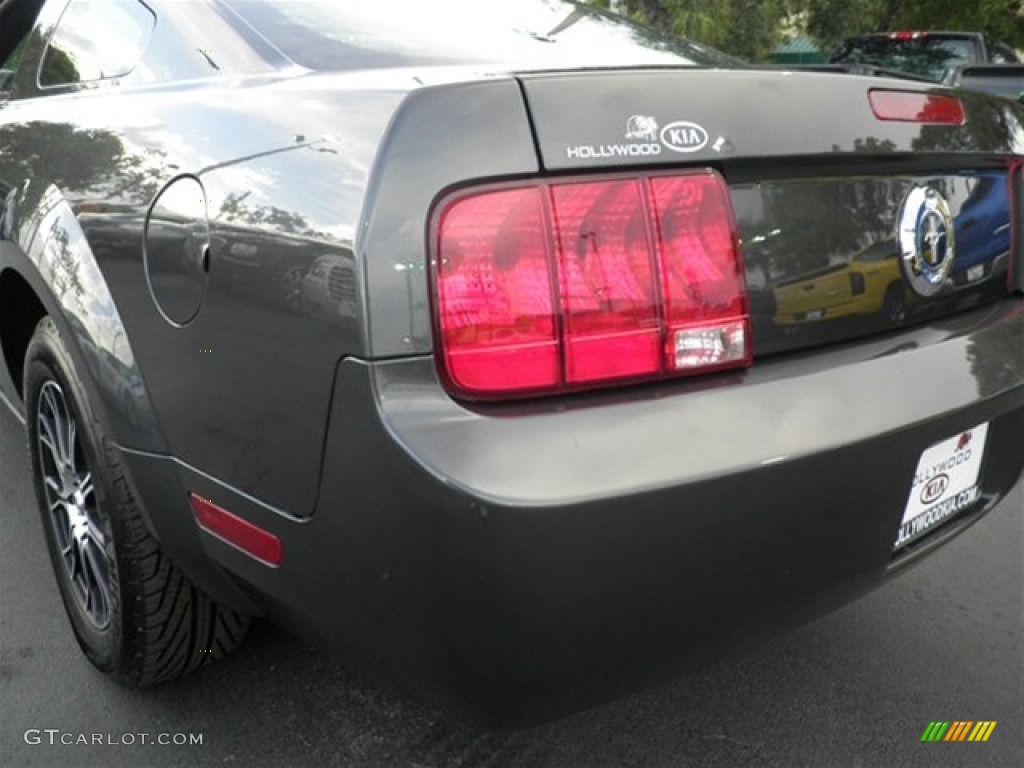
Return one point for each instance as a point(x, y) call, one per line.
point(870, 283)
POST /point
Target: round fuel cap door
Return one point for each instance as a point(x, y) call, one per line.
point(176, 250)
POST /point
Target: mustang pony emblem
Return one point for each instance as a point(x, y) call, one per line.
point(927, 243)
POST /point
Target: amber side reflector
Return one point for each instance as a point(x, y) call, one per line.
point(254, 541)
point(914, 107)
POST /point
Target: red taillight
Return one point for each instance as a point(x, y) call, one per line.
point(556, 286)
point(705, 294)
point(609, 299)
point(914, 107)
point(496, 289)
point(907, 35)
point(254, 541)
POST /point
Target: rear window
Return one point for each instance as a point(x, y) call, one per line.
point(927, 56)
point(327, 34)
point(1001, 54)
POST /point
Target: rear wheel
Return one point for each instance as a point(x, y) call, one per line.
point(894, 308)
point(135, 615)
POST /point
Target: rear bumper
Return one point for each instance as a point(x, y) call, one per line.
point(554, 552)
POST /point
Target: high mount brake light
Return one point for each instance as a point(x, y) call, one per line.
point(916, 107)
point(570, 284)
point(907, 35)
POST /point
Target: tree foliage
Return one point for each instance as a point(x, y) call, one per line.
point(828, 21)
point(746, 28)
point(752, 28)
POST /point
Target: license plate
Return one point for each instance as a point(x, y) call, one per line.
point(975, 273)
point(815, 314)
point(945, 483)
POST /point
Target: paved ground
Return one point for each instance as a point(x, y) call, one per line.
point(856, 689)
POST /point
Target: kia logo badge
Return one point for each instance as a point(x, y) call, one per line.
point(682, 136)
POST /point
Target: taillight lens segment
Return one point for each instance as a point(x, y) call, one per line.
point(571, 284)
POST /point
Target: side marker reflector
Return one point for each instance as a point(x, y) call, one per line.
point(243, 535)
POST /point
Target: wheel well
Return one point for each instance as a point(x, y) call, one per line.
point(20, 313)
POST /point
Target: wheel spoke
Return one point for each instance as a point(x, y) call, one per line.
point(85, 486)
point(49, 440)
point(97, 587)
point(95, 536)
point(75, 566)
point(56, 416)
point(49, 400)
point(70, 432)
point(61, 521)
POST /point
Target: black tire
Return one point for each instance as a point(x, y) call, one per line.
point(894, 307)
point(135, 615)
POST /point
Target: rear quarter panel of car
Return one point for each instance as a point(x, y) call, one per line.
point(242, 392)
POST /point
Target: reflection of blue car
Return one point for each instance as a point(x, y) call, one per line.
point(982, 230)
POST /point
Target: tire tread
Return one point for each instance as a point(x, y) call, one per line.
point(165, 626)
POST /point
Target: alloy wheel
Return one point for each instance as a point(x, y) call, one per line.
point(71, 505)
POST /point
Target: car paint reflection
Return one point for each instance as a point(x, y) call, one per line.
point(817, 274)
point(868, 283)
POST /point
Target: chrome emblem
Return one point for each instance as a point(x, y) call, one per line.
point(927, 243)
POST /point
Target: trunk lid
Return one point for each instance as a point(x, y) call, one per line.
point(850, 224)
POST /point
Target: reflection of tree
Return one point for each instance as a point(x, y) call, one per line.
point(57, 152)
point(745, 28)
point(994, 124)
point(235, 210)
point(63, 264)
point(872, 145)
point(995, 361)
point(58, 68)
point(82, 163)
point(822, 220)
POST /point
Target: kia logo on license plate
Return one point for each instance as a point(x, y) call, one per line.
point(934, 489)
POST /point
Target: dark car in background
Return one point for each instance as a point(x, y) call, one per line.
point(931, 55)
point(455, 334)
point(1001, 79)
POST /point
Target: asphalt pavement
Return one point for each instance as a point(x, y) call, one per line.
point(855, 689)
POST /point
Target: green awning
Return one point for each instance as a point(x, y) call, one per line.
point(798, 50)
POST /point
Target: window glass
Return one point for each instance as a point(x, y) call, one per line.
point(1002, 54)
point(96, 40)
point(931, 56)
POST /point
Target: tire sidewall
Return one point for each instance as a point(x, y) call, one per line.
point(894, 306)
